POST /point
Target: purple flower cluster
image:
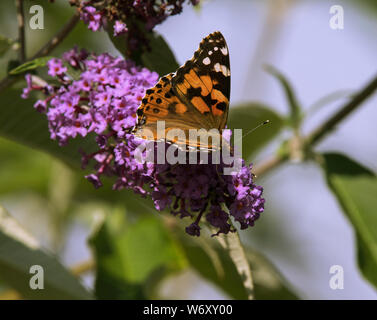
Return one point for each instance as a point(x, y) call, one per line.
point(102, 98)
point(195, 190)
point(93, 18)
point(132, 18)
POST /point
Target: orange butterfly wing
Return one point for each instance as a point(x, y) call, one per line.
point(196, 96)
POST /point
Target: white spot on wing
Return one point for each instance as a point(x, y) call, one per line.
point(215, 48)
point(225, 71)
point(206, 61)
point(221, 68)
point(224, 51)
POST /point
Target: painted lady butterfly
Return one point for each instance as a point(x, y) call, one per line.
point(196, 96)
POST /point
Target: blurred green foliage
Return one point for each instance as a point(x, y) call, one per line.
point(127, 254)
point(19, 251)
point(356, 188)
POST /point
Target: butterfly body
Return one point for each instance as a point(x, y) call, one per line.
point(196, 96)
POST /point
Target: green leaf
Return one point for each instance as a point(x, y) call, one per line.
point(295, 108)
point(129, 255)
point(5, 44)
point(355, 187)
point(30, 65)
point(231, 243)
point(214, 264)
point(19, 251)
point(20, 122)
point(247, 117)
point(160, 59)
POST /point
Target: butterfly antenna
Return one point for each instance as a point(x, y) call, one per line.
point(250, 131)
point(255, 128)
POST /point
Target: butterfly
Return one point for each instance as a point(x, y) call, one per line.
point(196, 96)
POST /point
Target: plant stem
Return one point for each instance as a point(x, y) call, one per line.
point(46, 49)
point(268, 165)
point(58, 37)
point(21, 29)
point(319, 133)
point(345, 111)
point(83, 267)
point(276, 13)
